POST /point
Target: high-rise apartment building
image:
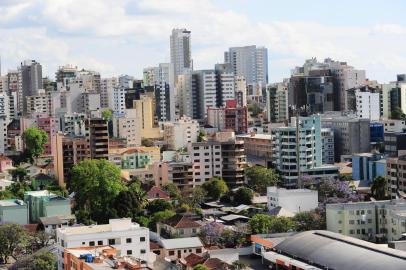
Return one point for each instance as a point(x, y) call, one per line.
point(145, 114)
point(107, 86)
point(229, 117)
point(181, 133)
point(98, 138)
point(350, 134)
point(127, 127)
point(285, 152)
point(29, 81)
point(180, 46)
point(251, 62)
point(277, 103)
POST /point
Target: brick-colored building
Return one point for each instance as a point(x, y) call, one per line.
point(230, 117)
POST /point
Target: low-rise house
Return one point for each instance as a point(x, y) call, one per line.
point(178, 226)
point(157, 193)
point(174, 249)
point(50, 224)
point(233, 219)
point(13, 211)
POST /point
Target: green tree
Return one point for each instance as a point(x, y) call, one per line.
point(161, 216)
point(200, 267)
point(379, 188)
point(173, 191)
point(306, 221)
point(196, 197)
point(243, 195)
point(282, 224)
point(397, 113)
point(107, 114)
point(13, 237)
point(259, 178)
point(129, 202)
point(202, 137)
point(158, 205)
point(239, 265)
point(260, 223)
point(18, 173)
point(147, 142)
point(96, 184)
point(215, 188)
point(34, 141)
point(43, 260)
point(18, 189)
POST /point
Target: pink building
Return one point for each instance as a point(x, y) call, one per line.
point(5, 163)
point(230, 117)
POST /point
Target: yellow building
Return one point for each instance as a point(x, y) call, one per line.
point(145, 117)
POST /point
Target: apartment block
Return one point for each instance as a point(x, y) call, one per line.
point(181, 133)
point(207, 161)
point(376, 221)
point(229, 117)
point(126, 237)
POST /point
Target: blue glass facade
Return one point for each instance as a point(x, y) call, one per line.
point(376, 131)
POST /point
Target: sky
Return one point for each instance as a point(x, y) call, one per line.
point(124, 36)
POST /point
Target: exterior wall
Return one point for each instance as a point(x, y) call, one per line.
point(181, 133)
point(367, 105)
point(327, 140)
point(14, 214)
point(145, 117)
point(207, 161)
point(178, 232)
point(258, 145)
point(174, 254)
point(373, 221)
point(44, 204)
point(293, 200)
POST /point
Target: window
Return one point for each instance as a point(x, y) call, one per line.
point(171, 253)
point(100, 242)
point(112, 241)
point(351, 231)
point(142, 239)
point(142, 251)
point(128, 240)
point(351, 222)
point(198, 250)
point(129, 252)
point(91, 243)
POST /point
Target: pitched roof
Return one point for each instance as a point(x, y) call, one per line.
point(181, 221)
point(214, 263)
point(193, 259)
point(157, 193)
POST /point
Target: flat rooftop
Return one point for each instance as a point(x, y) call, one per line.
point(11, 202)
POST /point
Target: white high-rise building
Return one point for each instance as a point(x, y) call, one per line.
point(126, 81)
point(127, 127)
point(251, 62)
point(367, 105)
point(185, 101)
point(127, 237)
point(180, 44)
point(207, 161)
point(107, 86)
point(181, 133)
point(277, 102)
point(241, 90)
point(39, 104)
point(117, 100)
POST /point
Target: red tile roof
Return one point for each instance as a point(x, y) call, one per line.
point(180, 221)
point(157, 193)
point(215, 263)
point(193, 259)
point(154, 245)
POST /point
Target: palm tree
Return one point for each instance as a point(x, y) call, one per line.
point(379, 188)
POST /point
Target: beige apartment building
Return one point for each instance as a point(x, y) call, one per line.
point(375, 221)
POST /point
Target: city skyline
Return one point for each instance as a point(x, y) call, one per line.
point(123, 37)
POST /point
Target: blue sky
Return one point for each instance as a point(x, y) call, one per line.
point(124, 36)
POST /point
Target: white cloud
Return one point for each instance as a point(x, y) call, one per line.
point(123, 36)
